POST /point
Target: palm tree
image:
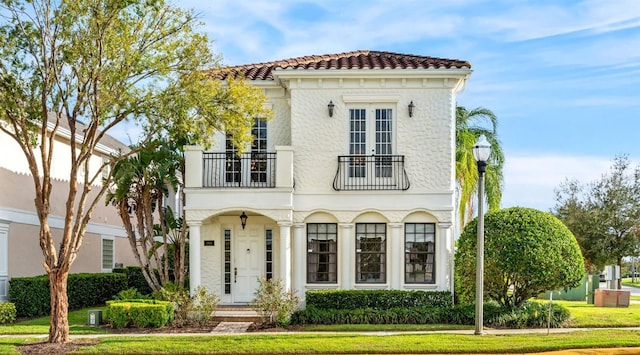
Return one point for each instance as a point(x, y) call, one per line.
point(142, 183)
point(469, 126)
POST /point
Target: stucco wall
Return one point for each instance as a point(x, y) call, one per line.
point(18, 211)
point(278, 128)
point(13, 159)
point(18, 193)
point(426, 139)
point(25, 255)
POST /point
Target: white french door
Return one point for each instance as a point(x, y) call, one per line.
point(371, 138)
point(251, 168)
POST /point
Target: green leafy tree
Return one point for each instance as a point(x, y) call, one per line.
point(471, 124)
point(527, 252)
point(89, 66)
point(604, 215)
point(144, 181)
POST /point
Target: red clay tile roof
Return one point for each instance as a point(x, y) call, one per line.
point(363, 59)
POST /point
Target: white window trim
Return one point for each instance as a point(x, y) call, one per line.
point(113, 256)
point(4, 262)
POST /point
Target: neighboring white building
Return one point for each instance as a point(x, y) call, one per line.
point(105, 241)
point(349, 186)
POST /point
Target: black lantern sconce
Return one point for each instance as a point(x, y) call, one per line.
point(243, 219)
point(330, 106)
point(411, 108)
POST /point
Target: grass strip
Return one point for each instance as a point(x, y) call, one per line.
point(370, 344)
point(585, 315)
point(78, 320)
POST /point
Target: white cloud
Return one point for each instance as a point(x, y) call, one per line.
point(527, 21)
point(530, 180)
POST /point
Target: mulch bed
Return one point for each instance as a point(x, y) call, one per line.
point(168, 329)
point(54, 349)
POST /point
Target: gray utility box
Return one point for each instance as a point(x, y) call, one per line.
point(95, 317)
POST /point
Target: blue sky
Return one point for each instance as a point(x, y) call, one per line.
point(563, 77)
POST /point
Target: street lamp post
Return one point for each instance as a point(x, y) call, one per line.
point(481, 152)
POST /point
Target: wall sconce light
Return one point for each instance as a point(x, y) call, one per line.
point(411, 108)
point(243, 219)
point(330, 106)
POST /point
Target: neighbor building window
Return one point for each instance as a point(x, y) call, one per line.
point(322, 253)
point(371, 252)
point(420, 252)
point(108, 254)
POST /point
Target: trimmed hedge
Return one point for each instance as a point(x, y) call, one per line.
point(139, 313)
point(7, 312)
point(376, 299)
point(530, 315)
point(135, 279)
point(31, 295)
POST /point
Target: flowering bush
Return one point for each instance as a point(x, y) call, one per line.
point(273, 303)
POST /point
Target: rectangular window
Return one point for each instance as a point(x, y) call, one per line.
point(258, 150)
point(108, 251)
point(269, 256)
point(357, 142)
point(322, 253)
point(371, 252)
point(383, 142)
point(232, 164)
point(227, 261)
point(420, 252)
point(4, 261)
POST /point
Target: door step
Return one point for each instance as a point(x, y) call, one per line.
point(236, 313)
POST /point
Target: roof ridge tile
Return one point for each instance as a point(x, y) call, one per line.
point(358, 59)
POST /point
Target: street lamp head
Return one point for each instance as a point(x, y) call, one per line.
point(482, 149)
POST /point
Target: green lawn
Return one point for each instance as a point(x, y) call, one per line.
point(77, 325)
point(350, 343)
point(628, 282)
point(585, 315)
point(345, 339)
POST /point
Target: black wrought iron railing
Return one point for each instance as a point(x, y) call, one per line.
point(249, 170)
point(371, 172)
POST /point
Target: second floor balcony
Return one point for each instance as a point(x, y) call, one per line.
point(274, 170)
point(371, 172)
point(249, 170)
point(263, 170)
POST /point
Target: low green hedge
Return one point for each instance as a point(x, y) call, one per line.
point(139, 313)
point(530, 315)
point(31, 295)
point(7, 312)
point(376, 299)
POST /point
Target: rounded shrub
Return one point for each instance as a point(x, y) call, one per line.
point(526, 252)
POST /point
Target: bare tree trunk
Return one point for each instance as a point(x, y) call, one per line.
point(620, 278)
point(59, 324)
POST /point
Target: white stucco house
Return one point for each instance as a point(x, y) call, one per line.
point(349, 186)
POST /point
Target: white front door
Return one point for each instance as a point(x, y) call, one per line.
point(249, 263)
